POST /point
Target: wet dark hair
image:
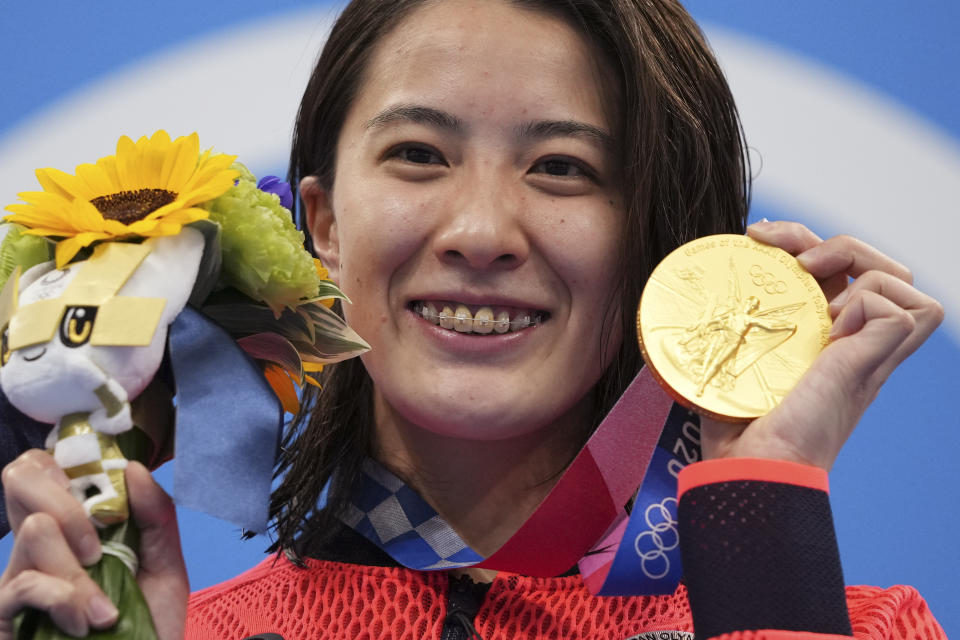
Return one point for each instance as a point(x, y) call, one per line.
point(684, 174)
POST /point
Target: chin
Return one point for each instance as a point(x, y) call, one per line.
point(466, 418)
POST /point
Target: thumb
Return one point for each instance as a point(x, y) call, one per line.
point(163, 575)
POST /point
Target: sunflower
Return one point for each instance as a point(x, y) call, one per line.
point(151, 187)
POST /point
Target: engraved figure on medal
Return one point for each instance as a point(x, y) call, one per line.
point(731, 338)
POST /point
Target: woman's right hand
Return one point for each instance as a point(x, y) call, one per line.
point(54, 540)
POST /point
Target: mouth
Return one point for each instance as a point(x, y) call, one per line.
point(477, 319)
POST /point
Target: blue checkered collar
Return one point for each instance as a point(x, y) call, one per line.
point(389, 513)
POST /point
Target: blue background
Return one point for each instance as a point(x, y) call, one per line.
point(894, 486)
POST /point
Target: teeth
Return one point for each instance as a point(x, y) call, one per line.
point(446, 317)
point(521, 322)
point(463, 320)
point(429, 312)
point(484, 321)
point(502, 325)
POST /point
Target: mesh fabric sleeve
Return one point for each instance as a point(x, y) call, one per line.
point(759, 549)
point(761, 560)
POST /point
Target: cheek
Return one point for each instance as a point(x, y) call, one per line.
point(379, 230)
point(380, 234)
point(584, 247)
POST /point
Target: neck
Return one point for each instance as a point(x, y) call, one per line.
point(484, 489)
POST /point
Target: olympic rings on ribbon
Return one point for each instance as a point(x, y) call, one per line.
point(666, 524)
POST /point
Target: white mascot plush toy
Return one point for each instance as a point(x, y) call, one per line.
point(83, 341)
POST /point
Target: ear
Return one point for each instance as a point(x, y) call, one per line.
point(322, 225)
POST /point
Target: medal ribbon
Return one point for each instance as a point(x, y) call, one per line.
point(583, 511)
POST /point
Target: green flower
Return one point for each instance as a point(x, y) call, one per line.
point(263, 254)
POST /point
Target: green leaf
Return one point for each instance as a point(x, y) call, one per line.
point(23, 250)
point(318, 333)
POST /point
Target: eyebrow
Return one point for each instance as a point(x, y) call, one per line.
point(417, 115)
point(544, 129)
point(537, 130)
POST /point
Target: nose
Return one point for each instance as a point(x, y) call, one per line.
point(485, 228)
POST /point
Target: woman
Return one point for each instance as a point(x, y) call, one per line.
point(528, 163)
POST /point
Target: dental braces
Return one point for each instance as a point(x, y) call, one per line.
point(448, 321)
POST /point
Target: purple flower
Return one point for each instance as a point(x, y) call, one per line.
point(273, 184)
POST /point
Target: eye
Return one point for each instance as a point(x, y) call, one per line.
point(4, 348)
point(77, 325)
point(564, 176)
point(561, 167)
point(416, 154)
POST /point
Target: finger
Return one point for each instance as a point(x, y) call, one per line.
point(851, 257)
point(926, 310)
point(925, 314)
point(54, 595)
point(872, 330)
point(163, 575)
point(792, 237)
point(155, 514)
point(34, 483)
point(40, 546)
point(40, 550)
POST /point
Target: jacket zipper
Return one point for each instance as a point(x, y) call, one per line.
point(464, 599)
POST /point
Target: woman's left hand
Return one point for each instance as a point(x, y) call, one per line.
point(878, 320)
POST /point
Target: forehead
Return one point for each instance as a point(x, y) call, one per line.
point(486, 59)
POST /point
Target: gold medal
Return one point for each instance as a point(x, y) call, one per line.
point(728, 325)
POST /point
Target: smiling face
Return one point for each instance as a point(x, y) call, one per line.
point(474, 220)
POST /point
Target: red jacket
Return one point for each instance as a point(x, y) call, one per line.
point(759, 557)
point(331, 600)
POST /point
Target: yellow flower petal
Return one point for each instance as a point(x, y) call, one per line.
point(185, 153)
point(67, 249)
point(63, 184)
point(86, 216)
point(127, 168)
point(154, 155)
point(97, 181)
point(108, 165)
point(42, 232)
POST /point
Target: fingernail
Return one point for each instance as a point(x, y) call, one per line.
point(841, 298)
point(100, 611)
point(836, 329)
point(90, 550)
point(75, 625)
point(761, 223)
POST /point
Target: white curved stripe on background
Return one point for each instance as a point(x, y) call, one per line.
point(844, 157)
point(833, 152)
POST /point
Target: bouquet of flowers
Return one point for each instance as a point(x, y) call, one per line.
point(97, 267)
